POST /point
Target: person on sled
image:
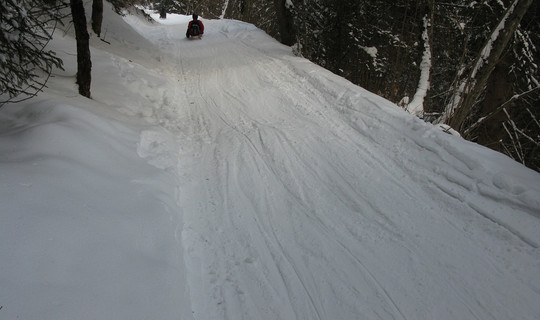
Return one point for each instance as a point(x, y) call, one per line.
point(195, 27)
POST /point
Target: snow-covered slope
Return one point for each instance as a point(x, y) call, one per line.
point(224, 178)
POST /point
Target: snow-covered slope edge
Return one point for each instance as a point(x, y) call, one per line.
point(88, 228)
point(86, 225)
point(227, 179)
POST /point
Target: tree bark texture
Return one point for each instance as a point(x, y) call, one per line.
point(498, 90)
point(84, 64)
point(97, 16)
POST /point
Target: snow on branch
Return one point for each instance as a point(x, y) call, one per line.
point(486, 51)
point(416, 106)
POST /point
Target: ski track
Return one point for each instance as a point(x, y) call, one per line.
point(289, 195)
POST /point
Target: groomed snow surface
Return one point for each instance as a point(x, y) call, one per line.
point(225, 178)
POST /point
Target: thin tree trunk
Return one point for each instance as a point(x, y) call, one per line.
point(97, 16)
point(84, 64)
point(498, 90)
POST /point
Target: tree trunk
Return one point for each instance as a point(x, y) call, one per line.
point(285, 22)
point(163, 11)
point(97, 16)
point(485, 65)
point(498, 90)
point(84, 64)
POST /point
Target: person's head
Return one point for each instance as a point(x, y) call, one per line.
point(195, 16)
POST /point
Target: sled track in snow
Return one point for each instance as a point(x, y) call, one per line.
point(301, 200)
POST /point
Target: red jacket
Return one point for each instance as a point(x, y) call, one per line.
point(200, 24)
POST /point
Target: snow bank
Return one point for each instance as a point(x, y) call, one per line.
point(85, 224)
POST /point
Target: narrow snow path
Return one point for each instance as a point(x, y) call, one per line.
point(301, 200)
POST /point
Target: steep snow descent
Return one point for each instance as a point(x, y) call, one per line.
point(305, 197)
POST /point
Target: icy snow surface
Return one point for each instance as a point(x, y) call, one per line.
point(225, 178)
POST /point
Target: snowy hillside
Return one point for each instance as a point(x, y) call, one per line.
point(225, 178)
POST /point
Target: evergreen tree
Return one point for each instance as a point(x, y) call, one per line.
point(25, 29)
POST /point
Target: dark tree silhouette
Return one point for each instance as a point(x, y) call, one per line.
point(84, 64)
point(25, 30)
point(97, 16)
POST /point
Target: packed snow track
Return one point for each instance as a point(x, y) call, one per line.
point(301, 200)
